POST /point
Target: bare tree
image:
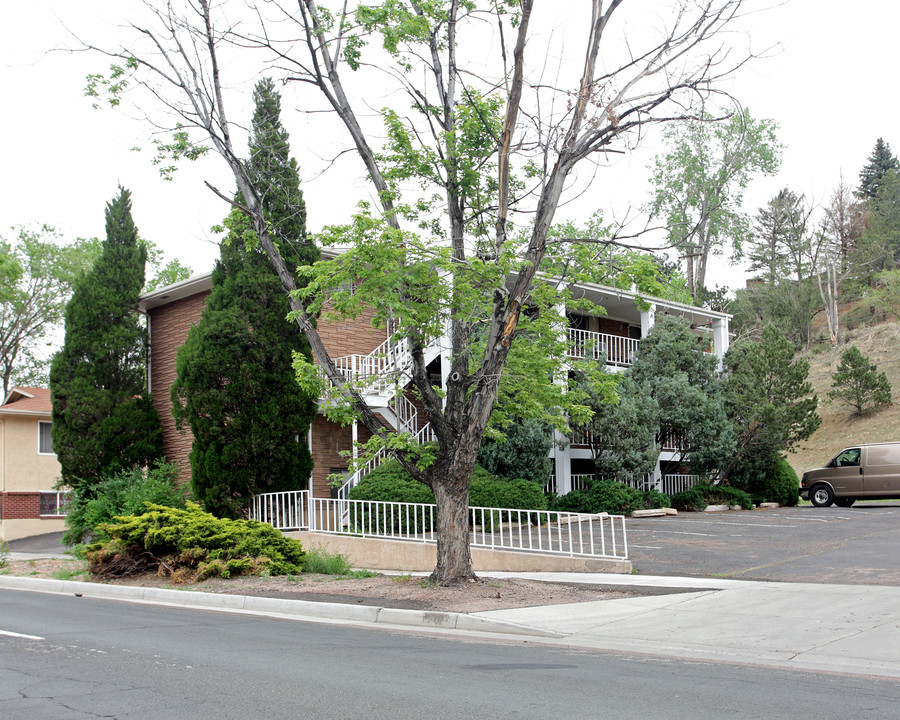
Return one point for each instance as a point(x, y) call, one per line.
point(832, 247)
point(474, 147)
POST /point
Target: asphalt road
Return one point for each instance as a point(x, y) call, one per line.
point(858, 545)
point(95, 658)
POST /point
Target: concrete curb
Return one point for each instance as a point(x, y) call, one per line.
point(276, 607)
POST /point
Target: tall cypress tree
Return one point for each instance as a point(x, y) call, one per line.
point(880, 161)
point(235, 383)
point(103, 419)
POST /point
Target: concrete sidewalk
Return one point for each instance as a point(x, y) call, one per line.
point(838, 628)
point(842, 628)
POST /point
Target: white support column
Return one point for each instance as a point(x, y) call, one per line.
point(648, 319)
point(720, 338)
point(309, 444)
point(446, 348)
point(562, 463)
point(657, 476)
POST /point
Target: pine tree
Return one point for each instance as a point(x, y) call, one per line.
point(672, 368)
point(880, 161)
point(235, 383)
point(103, 419)
point(858, 383)
point(770, 403)
point(779, 243)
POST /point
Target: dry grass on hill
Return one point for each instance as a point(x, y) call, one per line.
point(881, 345)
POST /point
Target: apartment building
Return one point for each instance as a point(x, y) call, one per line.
point(29, 470)
point(363, 352)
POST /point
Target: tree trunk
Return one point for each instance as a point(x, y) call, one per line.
point(451, 495)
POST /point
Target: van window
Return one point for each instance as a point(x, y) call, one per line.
point(883, 455)
point(848, 458)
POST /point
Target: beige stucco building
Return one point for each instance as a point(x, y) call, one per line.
point(29, 469)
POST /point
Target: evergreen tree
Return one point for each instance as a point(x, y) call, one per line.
point(276, 177)
point(523, 452)
point(879, 247)
point(235, 383)
point(672, 368)
point(858, 383)
point(624, 433)
point(770, 402)
point(103, 419)
point(880, 161)
point(779, 245)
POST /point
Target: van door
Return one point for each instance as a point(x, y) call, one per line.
point(847, 474)
point(882, 469)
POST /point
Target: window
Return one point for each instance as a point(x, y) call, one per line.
point(45, 439)
point(54, 503)
point(848, 458)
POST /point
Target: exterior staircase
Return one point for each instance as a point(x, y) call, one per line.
point(381, 377)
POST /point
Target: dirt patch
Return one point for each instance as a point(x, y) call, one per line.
point(403, 592)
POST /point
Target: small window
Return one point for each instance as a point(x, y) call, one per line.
point(54, 503)
point(848, 458)
point(45, 439)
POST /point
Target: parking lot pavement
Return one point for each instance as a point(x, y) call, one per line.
point(858, 545)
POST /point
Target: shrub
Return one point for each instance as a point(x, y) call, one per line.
point(779, 484)
point(698, 497)
point(769, 479)
point(654, 499)
point(389, 482)
point(123, 493)
point(602, 495)
point(189, 544)
point(488, 490)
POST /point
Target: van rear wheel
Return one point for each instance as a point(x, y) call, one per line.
point(844, 502)
point(821, 496)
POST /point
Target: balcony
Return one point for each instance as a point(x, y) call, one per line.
point(588, 345)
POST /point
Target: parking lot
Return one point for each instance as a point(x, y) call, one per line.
point(858, 545)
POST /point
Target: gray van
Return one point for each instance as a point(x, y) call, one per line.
point(863, 472)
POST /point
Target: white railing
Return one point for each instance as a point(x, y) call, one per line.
point(581, 481)
point(542, 531)
point(671, 441)
point(409, 419)
point(549, 531)
point(282, 510)
point(676, 483)
point(381, 367)
point(586, 344)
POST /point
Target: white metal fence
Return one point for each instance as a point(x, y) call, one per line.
point(282, 510)
point(672, 484)
point(521, 530)
point(667, 484)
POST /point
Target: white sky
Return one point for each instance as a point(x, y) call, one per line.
point(829, 85)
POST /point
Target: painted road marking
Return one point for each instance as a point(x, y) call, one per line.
point(20, 635)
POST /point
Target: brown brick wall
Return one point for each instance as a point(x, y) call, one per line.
point(328, 440)
point(351, 337)
point(19, 506)
point(169, 325)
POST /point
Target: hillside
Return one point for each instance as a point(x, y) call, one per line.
point(881, 344)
